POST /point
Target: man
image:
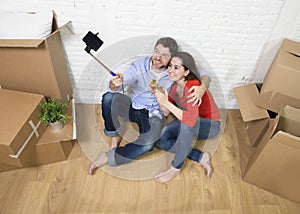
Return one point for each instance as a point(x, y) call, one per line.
point(140, 106)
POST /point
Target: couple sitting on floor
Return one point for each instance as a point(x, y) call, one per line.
point(188, 99)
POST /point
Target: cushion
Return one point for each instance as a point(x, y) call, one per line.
point(25, 25)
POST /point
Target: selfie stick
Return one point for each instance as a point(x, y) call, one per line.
point(104, 66)
point(93, 42)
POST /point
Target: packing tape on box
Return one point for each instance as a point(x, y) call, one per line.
point(34, 132)
point(34, 128)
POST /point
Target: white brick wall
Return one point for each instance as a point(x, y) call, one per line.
point(231, 37)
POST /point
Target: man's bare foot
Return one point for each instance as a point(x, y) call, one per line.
point(100, 161)
point(114, 141)
point(167, 175)
point(205, 163)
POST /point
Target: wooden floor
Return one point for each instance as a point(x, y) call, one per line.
point(65, 187)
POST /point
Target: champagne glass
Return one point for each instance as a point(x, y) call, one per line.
point(153, 84)
point(161, 89)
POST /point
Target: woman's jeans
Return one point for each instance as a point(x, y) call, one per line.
point(115, 105)
point(179, 138)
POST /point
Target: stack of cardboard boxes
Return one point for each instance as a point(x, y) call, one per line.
point(31, 70)
point(271, 112)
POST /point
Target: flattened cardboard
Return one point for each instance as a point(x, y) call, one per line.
point(21, 127)
point(35, 66)
point(274, 164)
point(282, 80)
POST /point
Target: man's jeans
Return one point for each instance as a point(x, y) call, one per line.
point(116, 105)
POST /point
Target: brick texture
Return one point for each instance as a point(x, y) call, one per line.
point(228, 37)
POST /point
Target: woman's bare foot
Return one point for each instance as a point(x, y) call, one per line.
point(167, 175)
point(114, 141)
point(100, 161)
point(205, 163)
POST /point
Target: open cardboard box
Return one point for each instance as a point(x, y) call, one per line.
point(281, 84)
point(36, 65)
point(21, 128)
point(274, 164)
point(256, 118)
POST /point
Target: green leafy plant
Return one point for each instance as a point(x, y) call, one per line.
point(53, 110)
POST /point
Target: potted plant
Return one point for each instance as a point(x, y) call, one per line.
point(53, 114)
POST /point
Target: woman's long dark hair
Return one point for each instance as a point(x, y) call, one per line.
point(188, 63)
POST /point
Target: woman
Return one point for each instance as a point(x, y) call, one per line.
point(190, 121)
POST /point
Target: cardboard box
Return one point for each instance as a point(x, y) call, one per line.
point(54, 147)
point(48, 151)
point(281, 84)
point(256, 119)
point(51, 147)
point(36, 66)
point(20, 128)
point(5, 167)
point(274, 164)
point(63, 151)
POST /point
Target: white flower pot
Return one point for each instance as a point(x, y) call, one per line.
point(56, 126)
